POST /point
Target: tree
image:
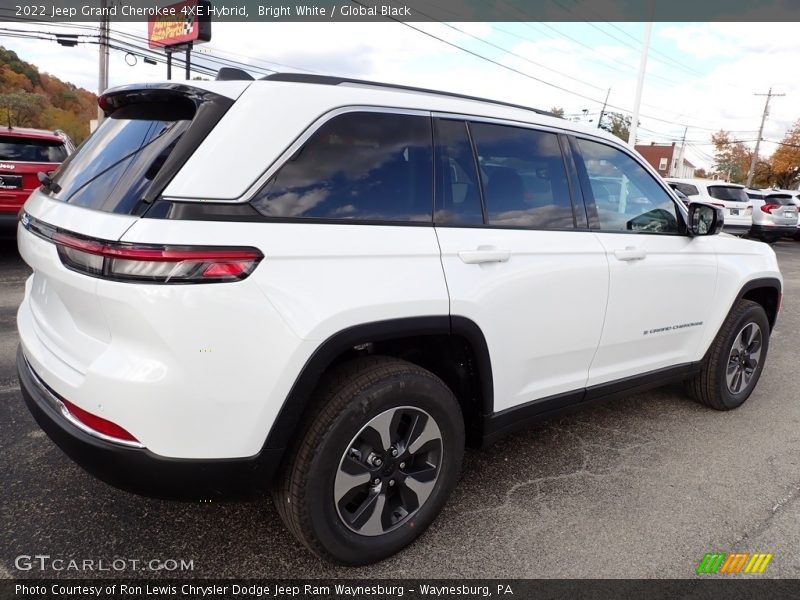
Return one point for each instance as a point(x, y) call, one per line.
point(558, 112)
point(618, 124)
point(20, 108)
point(731, 157)
point(700, 173)
point(71, 124)
point(786, 159)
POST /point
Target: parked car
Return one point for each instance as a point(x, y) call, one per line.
point(681, 196)
point(731, 197)
point(774, 214)
point(795, 199)
point(23, 154)
point(382, 275)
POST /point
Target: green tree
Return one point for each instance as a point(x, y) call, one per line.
point(617, 124)
point(558, 112)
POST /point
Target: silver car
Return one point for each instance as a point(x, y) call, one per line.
point(774, 214)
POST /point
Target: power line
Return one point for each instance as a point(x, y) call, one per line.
point(512, 53)
point(139, 38)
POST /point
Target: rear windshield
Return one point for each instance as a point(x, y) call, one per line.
point(16, 149)
point(755, 195)
point(782, 199)
point(727, 192)
point(113, 169)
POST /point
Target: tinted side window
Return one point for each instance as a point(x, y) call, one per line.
point(458, 196)
point(687, 189)
point(359, 166)
point(626, 196)
point(523, 175)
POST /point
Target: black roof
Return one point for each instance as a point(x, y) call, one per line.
point(332, 80)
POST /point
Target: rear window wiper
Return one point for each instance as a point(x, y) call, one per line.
point(48, 183)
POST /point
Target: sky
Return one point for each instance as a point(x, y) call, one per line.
point(704, 76)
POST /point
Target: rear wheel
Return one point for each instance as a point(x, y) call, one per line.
point(378, 459)
point(734, 362)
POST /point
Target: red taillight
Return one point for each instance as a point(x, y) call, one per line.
point(146, 262)
point(768, 208)
point(98, 424)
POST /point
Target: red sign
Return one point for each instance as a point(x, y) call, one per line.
point(179, 23)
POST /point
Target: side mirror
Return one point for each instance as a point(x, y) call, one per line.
point(705, 219)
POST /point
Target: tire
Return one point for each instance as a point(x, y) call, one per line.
point(353, 402)
point(747, 327)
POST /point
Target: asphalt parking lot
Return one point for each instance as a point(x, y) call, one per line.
point(638, 488)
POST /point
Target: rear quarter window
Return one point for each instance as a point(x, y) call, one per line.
point(359, 166)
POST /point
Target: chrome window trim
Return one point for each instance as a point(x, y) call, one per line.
point(278, 163)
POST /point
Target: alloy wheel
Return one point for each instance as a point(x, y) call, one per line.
point(388, 471)
point(744, 358)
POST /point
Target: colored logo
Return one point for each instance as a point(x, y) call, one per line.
point(734, 562)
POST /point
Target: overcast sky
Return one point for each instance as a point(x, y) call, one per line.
point(702, 75)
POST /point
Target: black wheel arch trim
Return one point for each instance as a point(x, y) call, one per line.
point(289, 417)
point(759, 283)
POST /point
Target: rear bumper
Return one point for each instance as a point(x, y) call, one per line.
point(774, 231)
point(138, 469)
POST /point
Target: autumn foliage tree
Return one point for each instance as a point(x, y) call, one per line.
point(29, 98)
point(786, 159)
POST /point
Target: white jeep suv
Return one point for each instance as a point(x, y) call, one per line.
point(731, 197)
point(337, 284)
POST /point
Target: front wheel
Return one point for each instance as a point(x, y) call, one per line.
point(378, 459)
point(734, 362)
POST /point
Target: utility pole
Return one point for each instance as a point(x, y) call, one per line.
point(752, 169)
point(674, 165)
point(640, 84)
point(603, 110)
point(102, 80)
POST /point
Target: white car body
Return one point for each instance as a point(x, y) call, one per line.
point(204, 371)
point(738, 213)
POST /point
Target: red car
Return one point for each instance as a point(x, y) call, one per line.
point(23, 154)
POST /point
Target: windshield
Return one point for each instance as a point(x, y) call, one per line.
point(727, 192)
point(113, 169)
point(16, 149)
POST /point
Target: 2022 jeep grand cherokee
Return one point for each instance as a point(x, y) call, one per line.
point(344, 282)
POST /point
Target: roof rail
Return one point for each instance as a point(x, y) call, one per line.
point(332, 80)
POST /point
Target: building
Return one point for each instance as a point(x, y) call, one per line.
point(667, 159)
